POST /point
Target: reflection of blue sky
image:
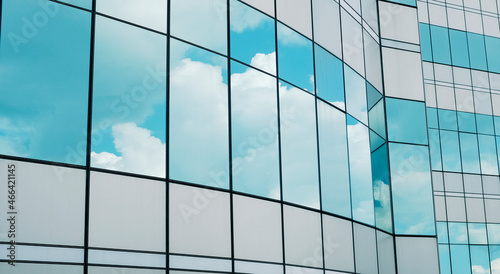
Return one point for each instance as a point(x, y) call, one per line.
point(444, 259)
point(129, 100)
point(485, 124)
point(44, 82)
point(442, 232)
point(479, 260)
point(487, 154)
point(460, 262)
point(252, 32)
point(335, 191)
point(329, 77)
point(381, 189)
point(477, 233)
point(466, 122)
point(447, 119)
point(470, 153)
point(457, 233)
point(355, 93)
point(376, 117)
point(87, 4)
point(255, 156)
point(406, 121)
point(450, 151)
point(435, 149)
point(295, 58)
point(411, 189)
point(298, 146)
point(360, 171)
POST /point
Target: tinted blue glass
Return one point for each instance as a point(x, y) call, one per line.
point(442, 232)
point(494, 234)
point(329, 77)
point(494, 255)
point(444, 259)
point(334, 164)
point(460, 262)
point(254, 131)
point(44, 81)
point(447, 119)
point(440, 45)
point(466, 122)
point(497, 124)
point(479, 259)
point(485, 124)
point(355, 93)
point(425, 42)
point(435, 149)
point(432, 118)
point(406, 121)
point(406, 2)
point(87, 4)
point(198, 121)
point(492, 46)
point(470, 153)
point(295, 58)
point(411, 185)
point(498, 149)
point(381, 189)
point(450, 151)
point(477, 233)
point(459, 50)
point(376, 116)
point(299, 158)
point(372, 95)
point(360, 171)
point(457, 233)
point(477, 51)
point(375, 141)
point(488, 156)
point(252, 37)
point(129, 99)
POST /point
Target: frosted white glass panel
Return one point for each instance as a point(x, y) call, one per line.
point(21, 268)
point(373, 61)
point(472, 183)
point(365, 248)
point(338, 245)
point(385, 247)
point(437, 15)
point(455, 209)
point(445, 97)
point(197, 263)
point(482, 103)
point(263, 5)
point(251, 267)
point(456, 19)
point(46, 254)
point(302, 237)
point(453, 182)
point(50, 203)
point(403, 25)
point(108, 270)
point(296, 14)
point(301, 270)
point(440, 208)
point(127, 258)
point(352, 42)
point(491, 185)
point(402, 74)
point(327, 25)
point(475, 210)
point(257, 229)
point(199, 221)
point(492, 207)
point(417, 255)
point(126, 212)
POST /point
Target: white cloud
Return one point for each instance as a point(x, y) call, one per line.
point(140, 152)
point(243, 17)
point(266, 62)
point(478, 269)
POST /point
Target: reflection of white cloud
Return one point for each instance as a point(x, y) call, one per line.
point(478, 269)
point(140, 152)
point(495, 266)
point(149, 13)
point(243, 17)
point(266, 62)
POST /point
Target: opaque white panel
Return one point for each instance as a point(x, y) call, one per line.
point(464, 100)
point(489, 5)
point(494, 80)
point(491, 185)
point(338, 247)
point(495, 100)
point(440, 208)
point(263, 5)
point(443, 73)
point(126, 212)
point(492, 207)
point(385, 247)
point(373, 61)
point(199, 221)
point(127, 258)
point(402, 74)
point(482, 102)
point(491, 26)
point(365, 248)
point(296, 14)
point(302, 237)
point(437, 15)
point(472, 183)
point(197, 263)
point(456, 209)
point(437, 181)
point(251, 267)
point(403, 25)
point(417, 255)
point(257, 229)
point(352, 43)
point(423, 14)
point(327, 25)
point(428, 69)
point(456, 18)
point(472, 4)
point(462, 76)
point(46, 254)
point(430, 95)
point(21, 268)
point(453, 182)
point(301, 270)
point(473, 22)
point(49, 201)
point(475, 210)
point(480, 78)
point(107, 270)
point(445, 97)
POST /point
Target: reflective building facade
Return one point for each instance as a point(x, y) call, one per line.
point(253, 136)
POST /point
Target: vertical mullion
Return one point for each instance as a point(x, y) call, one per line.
point(167, 144)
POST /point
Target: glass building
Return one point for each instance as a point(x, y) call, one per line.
point(253, 136)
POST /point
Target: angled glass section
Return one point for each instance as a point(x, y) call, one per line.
point(254, 132)
point(411, 185)
point(381, 189)
point(198, 118)
point(334, 164)
point(129, 99)
point(355, 92)
point(295, 58)
point(406, 121)
point(53, 53)
point(360, 171)
point(252, 37)
point(376, 117)
point(329, 77)
point(299, 157)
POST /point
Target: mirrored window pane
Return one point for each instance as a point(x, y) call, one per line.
point(487, 151)
point(479, 259)
point(460, 262)
point(326, 18)
point(298, 147)
point(406, 121)
point(470, 153)
point(457, 233)
point(199, 147)
point(252, 37)
point(254, 132)
point(450, 151)
point(129, 99)
point(435, 149)
point(352, 42)
point(35, 101)
point(295, 58)
point(329, 77)
point(355, 93)
point(381, 189)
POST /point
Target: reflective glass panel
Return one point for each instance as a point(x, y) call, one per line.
point(459, 50)
point(492, 46)
point(460, 262)
point(440, 45)
point(477, 51)
point(470, 153)
point(479, 259)
point(406, 121)
point(329, 77)
point(477, 233)
point(457, 233)
point(355, 92)
point(435, 149)
point(466, 122)
point(450, 151)
point(381, 189)
point(485, 124)
point(447, 119)
point(487, 151)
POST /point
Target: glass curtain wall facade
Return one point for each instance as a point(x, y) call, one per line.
point(255, 136)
